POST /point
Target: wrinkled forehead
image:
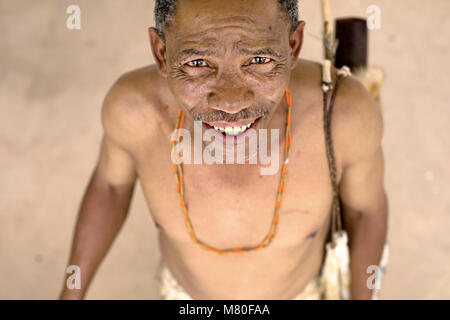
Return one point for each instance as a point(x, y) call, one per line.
point(200, 20)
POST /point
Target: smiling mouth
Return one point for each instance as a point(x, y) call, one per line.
point(234, 130)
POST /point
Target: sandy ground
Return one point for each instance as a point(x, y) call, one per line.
point(52, 84)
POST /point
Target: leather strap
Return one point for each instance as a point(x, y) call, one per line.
point(328, 104)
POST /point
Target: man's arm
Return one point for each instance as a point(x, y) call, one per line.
point(364, 201)
point(107, 198)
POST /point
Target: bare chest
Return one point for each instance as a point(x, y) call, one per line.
point(233, 205)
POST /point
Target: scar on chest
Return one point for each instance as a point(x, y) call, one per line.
point(312, 235)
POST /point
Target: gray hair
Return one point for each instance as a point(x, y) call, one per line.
point(165, 10)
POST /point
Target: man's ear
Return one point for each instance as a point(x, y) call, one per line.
point(158, 49)
point(296, 42)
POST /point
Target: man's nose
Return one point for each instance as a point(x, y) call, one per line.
point(230, 100)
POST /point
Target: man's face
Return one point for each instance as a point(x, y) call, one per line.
point(228, 62)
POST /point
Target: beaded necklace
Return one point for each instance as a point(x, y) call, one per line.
point(178, 171)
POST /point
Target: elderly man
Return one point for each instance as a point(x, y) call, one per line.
point(234, 65)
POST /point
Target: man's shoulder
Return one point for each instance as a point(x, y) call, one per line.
point(354, 105)
point(130, 105)
point(306, 76)
point(357, 125)
point(357, 120)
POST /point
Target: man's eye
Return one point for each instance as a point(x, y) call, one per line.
point(201, 63)
point(196, 63)
point(261, 60)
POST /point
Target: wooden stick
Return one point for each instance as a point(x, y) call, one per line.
point(329, 42)
point(326, 17)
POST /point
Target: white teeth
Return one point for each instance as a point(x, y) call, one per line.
point(233, 130)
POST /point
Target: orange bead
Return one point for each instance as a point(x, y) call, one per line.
point(288, 98)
